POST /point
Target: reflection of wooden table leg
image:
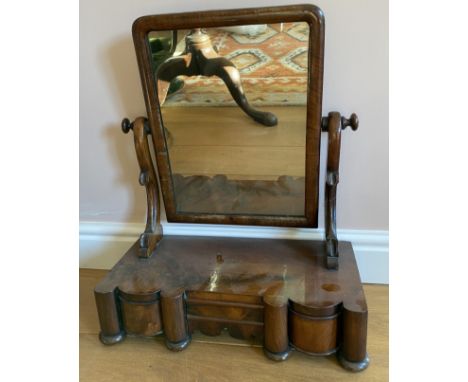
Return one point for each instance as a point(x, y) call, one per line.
point(200, 58)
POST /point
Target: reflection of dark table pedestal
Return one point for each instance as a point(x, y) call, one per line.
point(200, 58)
point(277, 292)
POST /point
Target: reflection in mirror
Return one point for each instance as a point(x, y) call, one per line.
point(233, 104)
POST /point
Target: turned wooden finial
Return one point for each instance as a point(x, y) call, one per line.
point(352, 121)
point(126, 125)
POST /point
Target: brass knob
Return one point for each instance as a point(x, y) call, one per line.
point(353, 121)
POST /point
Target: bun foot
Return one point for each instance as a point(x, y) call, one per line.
point(352, 366)
point(111, 340)
point(283, 356)
point(178, 346)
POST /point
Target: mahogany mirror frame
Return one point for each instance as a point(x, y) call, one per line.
point(310, 14)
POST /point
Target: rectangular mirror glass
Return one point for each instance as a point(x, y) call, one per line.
point(233, 103)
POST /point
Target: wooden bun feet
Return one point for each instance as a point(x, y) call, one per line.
point(175, 320)
point(276, 340)
point(350, 365)
point(111, 339)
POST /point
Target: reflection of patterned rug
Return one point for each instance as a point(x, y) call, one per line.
point(273, 67)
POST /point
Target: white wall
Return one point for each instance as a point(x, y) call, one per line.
point(355, 80)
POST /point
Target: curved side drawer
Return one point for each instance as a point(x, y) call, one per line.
point(141, 315)
point(313, 335)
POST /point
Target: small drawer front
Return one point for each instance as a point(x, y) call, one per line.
point(141, 318)
point(314, 335)
point(247, 330)
point(225, 310)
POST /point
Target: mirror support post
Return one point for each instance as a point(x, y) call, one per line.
point(333, 124)
point(153, 231)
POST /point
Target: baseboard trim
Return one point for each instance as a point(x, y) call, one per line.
point(103, 243)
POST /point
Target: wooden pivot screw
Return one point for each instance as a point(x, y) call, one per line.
point(352, 121)
point(126, 125)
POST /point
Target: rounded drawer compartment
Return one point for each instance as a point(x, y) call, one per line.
point(141, 314)
point(313, 334)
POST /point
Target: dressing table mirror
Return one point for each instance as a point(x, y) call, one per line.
point(232, 136)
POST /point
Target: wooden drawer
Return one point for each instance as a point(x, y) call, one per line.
point(314, 334)
point(141, 314)
point(234, 311)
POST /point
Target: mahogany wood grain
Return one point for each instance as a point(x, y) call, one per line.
point(314, 335)
point(220, 358)
point(276, 344)
point(141, 316)
point(175, 319)
point(333, 124)
point(153, 231)
point(220, 309)
point(354, 335)
point(109, 317)
point(235, 283)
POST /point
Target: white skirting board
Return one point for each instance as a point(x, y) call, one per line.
point(103, 243)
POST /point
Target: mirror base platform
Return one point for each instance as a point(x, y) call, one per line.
point(274, 292)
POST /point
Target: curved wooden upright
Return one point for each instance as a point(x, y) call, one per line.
point(333, 124)
point(153, 230)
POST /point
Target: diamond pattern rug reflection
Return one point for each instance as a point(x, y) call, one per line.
point(273, 66)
